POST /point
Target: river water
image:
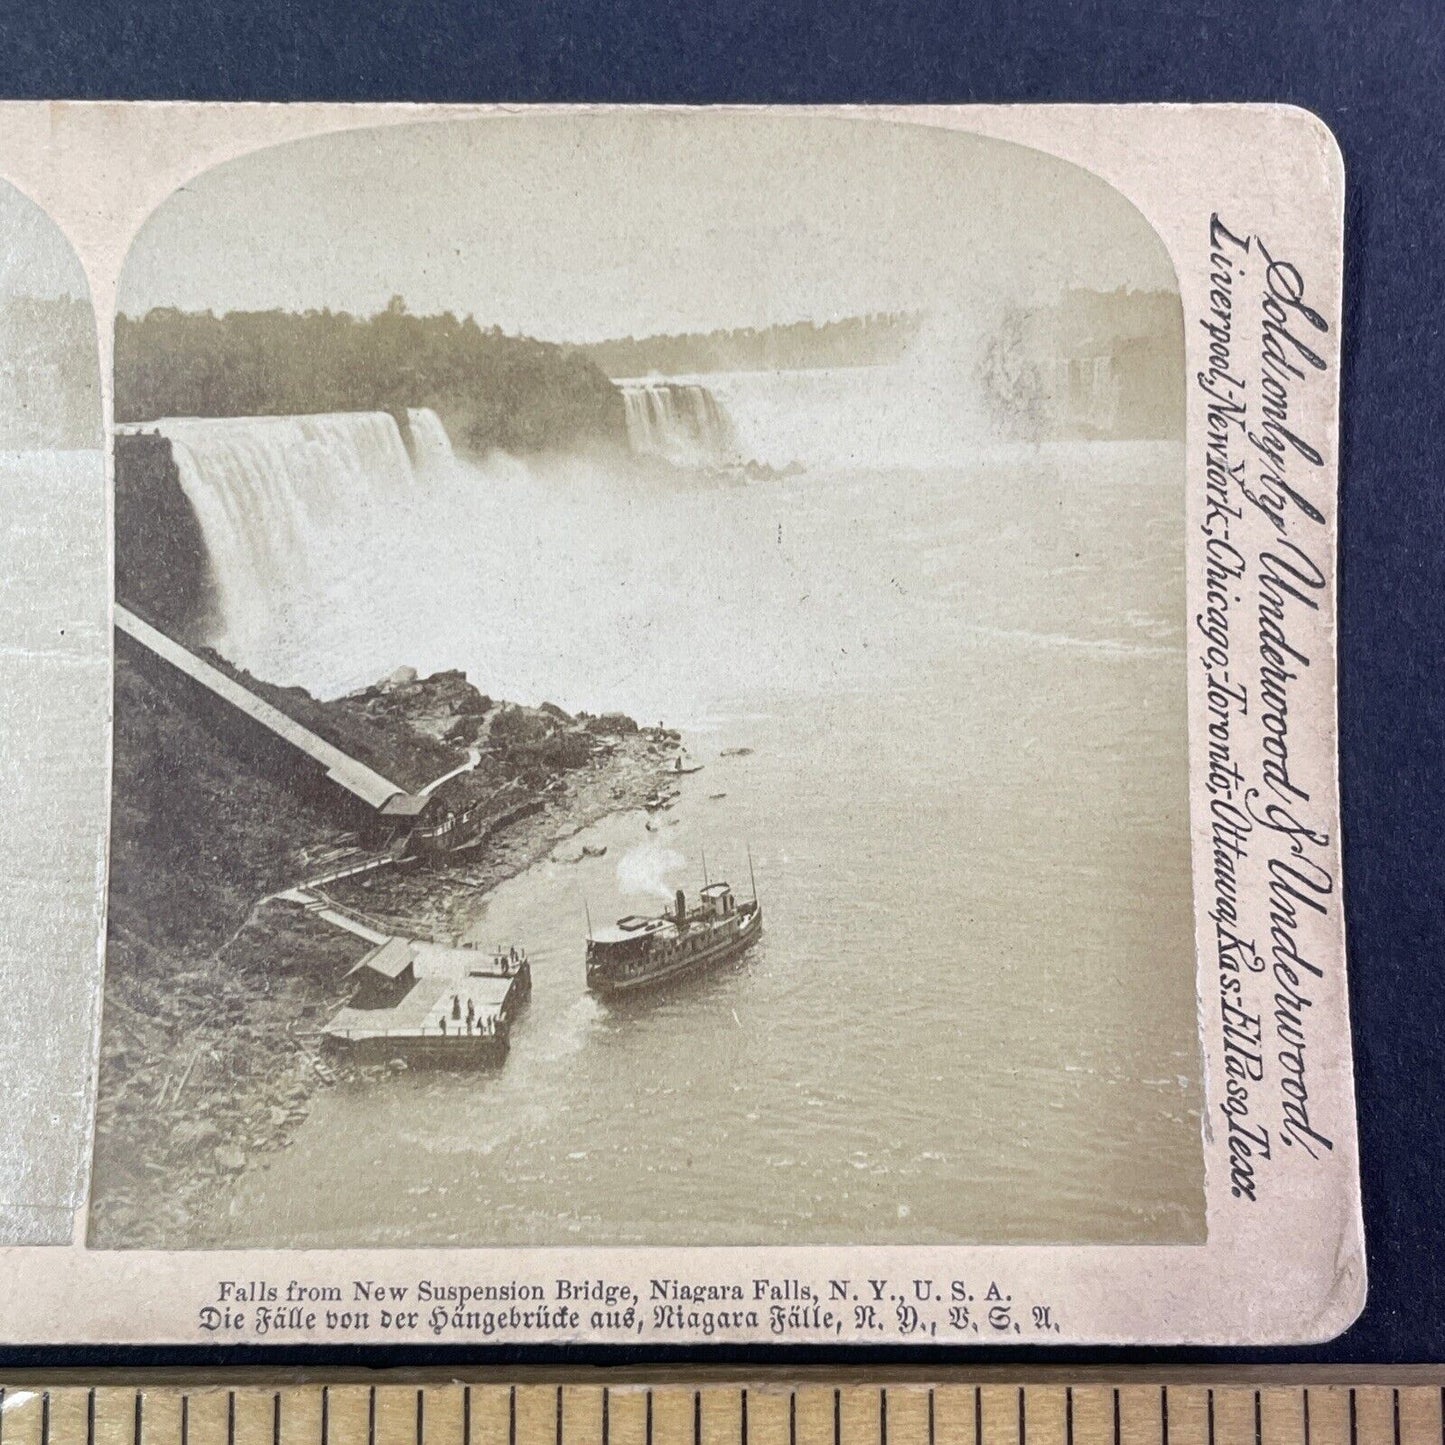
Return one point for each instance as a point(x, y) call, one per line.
point(971, 1015)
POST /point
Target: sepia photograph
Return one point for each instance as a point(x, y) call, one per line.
point(649, 697)
point(55, 682)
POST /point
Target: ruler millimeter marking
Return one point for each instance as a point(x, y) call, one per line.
point(761, 1413)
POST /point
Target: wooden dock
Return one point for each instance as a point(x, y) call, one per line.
point(430, 1004)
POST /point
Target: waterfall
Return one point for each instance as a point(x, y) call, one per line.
point(276, 496)
point(430, 444)
point(679, 421)
point(1103, 394)
point(1085, 394)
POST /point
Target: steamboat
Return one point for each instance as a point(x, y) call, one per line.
point(640, 952)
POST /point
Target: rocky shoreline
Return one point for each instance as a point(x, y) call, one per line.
point(211, 1046)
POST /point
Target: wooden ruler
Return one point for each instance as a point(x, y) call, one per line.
point(1163, 1409)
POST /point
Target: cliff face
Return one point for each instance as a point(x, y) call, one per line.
point(198, 831)
point(201, 828)
point(162, 569)
point(214, 999)
point(206, 996)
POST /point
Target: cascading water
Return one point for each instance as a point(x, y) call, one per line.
point(582, 579)
point(1087, 389)
point(430, 444)
point(268, 493)
point(681, 422)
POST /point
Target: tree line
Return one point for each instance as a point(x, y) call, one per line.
point(793, 346)
point(491, 389)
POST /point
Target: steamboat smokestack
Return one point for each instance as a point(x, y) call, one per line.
point(681, 908)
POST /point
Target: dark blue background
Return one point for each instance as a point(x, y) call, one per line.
point(1373, 71)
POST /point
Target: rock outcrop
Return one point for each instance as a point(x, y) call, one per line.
point(214, 994)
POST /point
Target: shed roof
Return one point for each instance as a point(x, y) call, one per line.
point(406, 805)
point(627, 929)
point(358, 779)
point(390, 959)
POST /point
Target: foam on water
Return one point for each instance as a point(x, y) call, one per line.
point(269, 493)
point(431, 445)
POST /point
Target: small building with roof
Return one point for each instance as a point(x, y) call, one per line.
point(384, 976)
point(431, 1003)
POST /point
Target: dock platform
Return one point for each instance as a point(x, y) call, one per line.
point(428, 1003)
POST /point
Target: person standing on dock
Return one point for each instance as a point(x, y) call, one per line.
point(471, 1014)
point(456, 1006)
